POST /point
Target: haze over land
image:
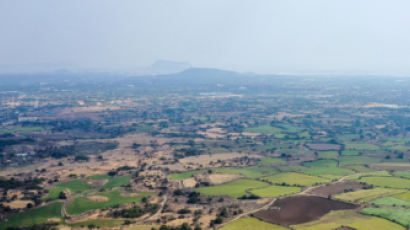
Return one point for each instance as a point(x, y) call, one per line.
point(280, 36)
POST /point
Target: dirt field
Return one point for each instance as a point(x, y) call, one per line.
point(222, 178)
point(98, 198)
point(300, 209)
point(336, 188)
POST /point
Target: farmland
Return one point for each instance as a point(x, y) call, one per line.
point(297, 179)
point(275, 191)
point(249, 223)
point(399, 215)
point(234, 189)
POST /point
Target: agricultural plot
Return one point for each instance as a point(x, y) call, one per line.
point(320, 163)
point(403, 196)
point(325, 171)
point(367, 195)
point(402, 174)
point(297, 179)
point(387, 182)
point(101, 223)
point(328, 155)
point(358, 160)
point(398, 215)
point(250, 172)
point(265, 129)
point(74, 186)
point(250, 223)
point(115, 182)
point(361, 146)
point(350, 153)
point(348, 137)
point(349, 218)
point(271, 161)
point(275, 191)
point(359, 168)
point(35, 216)
point(234, 189)
point(368, 174)
point(184, 175)
point(391, 201)
point(82, 204)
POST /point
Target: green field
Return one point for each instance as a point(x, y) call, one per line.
point(114, 182)
point(358, 160)
point(402, 174)
point(323, 171)
point(327, 154)
point(297, 179)
point(360, 168)
point(275, 191)
point(398, 215)
point(403, 196)
point(250, 223)
point(387, 182)
point(34, 216)
point(250, 172)
point(391, 201)
point(367, 195)
point(82, 204)
point(74, 186)
point(320, 163)
point(361, 146)
point(26, 129)
point(350, 153)
point(350, 218)
point(99, 223)
point(367, 174)
point(234, 189)
point(271, 161)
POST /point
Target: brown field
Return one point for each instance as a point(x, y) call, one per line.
point(98, 198)
point(222, 178)
point(323, 147)
point(16, 204)
point(336, 188)
point(189, 182)
point(300, 209)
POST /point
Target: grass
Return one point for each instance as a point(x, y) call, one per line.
point(350, 153)
point(271, 160)
point(402, 174)
point(327, 154)
point(367, 195)
point(249, 172)
point(81, 204)
point(100, 177)
point(74, 186)
point(275, 191)
point(350, 218)
point(34, 216)
point(361, 146)
point(320, 171)
point(22, 129)
point(391, 201)
point(358, 160)
point(403, 196)
point(348, 137)
point(99, 223)
point(320, 163)
point(398, 215)
point(360, 168)
point(387, 182)
point(115, 182)
point(234, 189)
point(250, 223)
point(297, 179)
point(367, 174)
point(184, 175)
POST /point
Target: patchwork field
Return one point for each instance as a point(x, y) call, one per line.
point(391, 201)
point(348, 218)
point(275, 191)
point(387, 182)
point(398, 215)
point(367, 195)
point(35, 216)
point(298, 179)
point(83, 204)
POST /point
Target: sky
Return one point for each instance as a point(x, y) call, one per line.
point(262, 36)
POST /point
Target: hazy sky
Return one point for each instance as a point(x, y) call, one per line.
point(265, 36)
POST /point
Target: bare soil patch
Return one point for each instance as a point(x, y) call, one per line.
point(98, 198)
point(189, 182)
point(336, 188)
point(222, 178)
point(17, 204)
point(300, 209)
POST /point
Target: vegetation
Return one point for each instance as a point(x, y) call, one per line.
point(234, 189)
point(249, 223)
point(398, 215)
